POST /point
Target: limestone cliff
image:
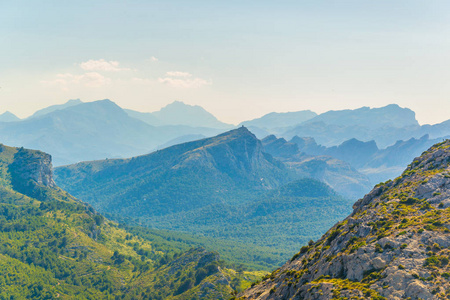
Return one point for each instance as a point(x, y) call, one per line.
point(395, 244)
point(26, 171)
point(33, 165)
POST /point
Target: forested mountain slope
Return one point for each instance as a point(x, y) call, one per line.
point(54, 246)
point(230, 167)
point(223, 187)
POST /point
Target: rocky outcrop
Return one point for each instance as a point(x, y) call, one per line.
point(32, 165)
point(395, 244)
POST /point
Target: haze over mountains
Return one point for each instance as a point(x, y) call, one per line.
point(255, 200)
point(78, 131)
point(178, 113)
point(366, 139)
point(208, 185)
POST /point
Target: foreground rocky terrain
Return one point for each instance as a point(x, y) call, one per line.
point(395, 244)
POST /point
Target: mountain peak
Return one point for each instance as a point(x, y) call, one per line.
point(8, 117)
point(179, 113)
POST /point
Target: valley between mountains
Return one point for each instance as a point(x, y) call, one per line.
point(177, 205)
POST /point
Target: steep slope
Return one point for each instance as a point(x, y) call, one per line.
point(229, 167)
point(8, 117)
point(393, 246)
point(53, 246)
point(336, 173)
point(223, 187)
point(179, 113)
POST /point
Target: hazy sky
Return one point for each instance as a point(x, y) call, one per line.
point(237, 59)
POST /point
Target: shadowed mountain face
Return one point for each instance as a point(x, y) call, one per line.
point(228, 167)
point(336, 173)
point(393, 246)
point(377, 164)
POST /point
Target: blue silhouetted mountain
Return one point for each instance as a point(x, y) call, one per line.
point(89, 131)
point(52, 108)
point(338, 174)
point(377, 164)
point(8, 117)
point(179, 113)
point(385, 125)
point(273, 121)
point(373, 118)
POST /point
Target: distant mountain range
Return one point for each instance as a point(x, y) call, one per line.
point(178, 113)
point(367, 139)
point(77, 131)
point(377, 164)
point(276, 121)
point(338, 174)
point(384, 125)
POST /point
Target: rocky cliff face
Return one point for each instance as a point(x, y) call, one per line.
point(395, 244)
point(32, 165)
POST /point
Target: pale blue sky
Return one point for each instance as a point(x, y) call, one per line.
point(237, 59)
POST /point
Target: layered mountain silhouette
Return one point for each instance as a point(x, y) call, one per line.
point(393, 246)
point(179, 113)
point(53, 108)
point(338, 174)
point(385, 125)
point(276, 121)
point(8, 117)
point(204, 186)
point(377, 164)
point(77, 131)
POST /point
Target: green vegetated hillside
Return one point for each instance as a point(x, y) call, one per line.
point(395, 244)
point(223, 187)
point(54, 246)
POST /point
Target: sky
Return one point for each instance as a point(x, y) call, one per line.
point(237, 59)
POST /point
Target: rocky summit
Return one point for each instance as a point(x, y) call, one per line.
point(395, 244)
